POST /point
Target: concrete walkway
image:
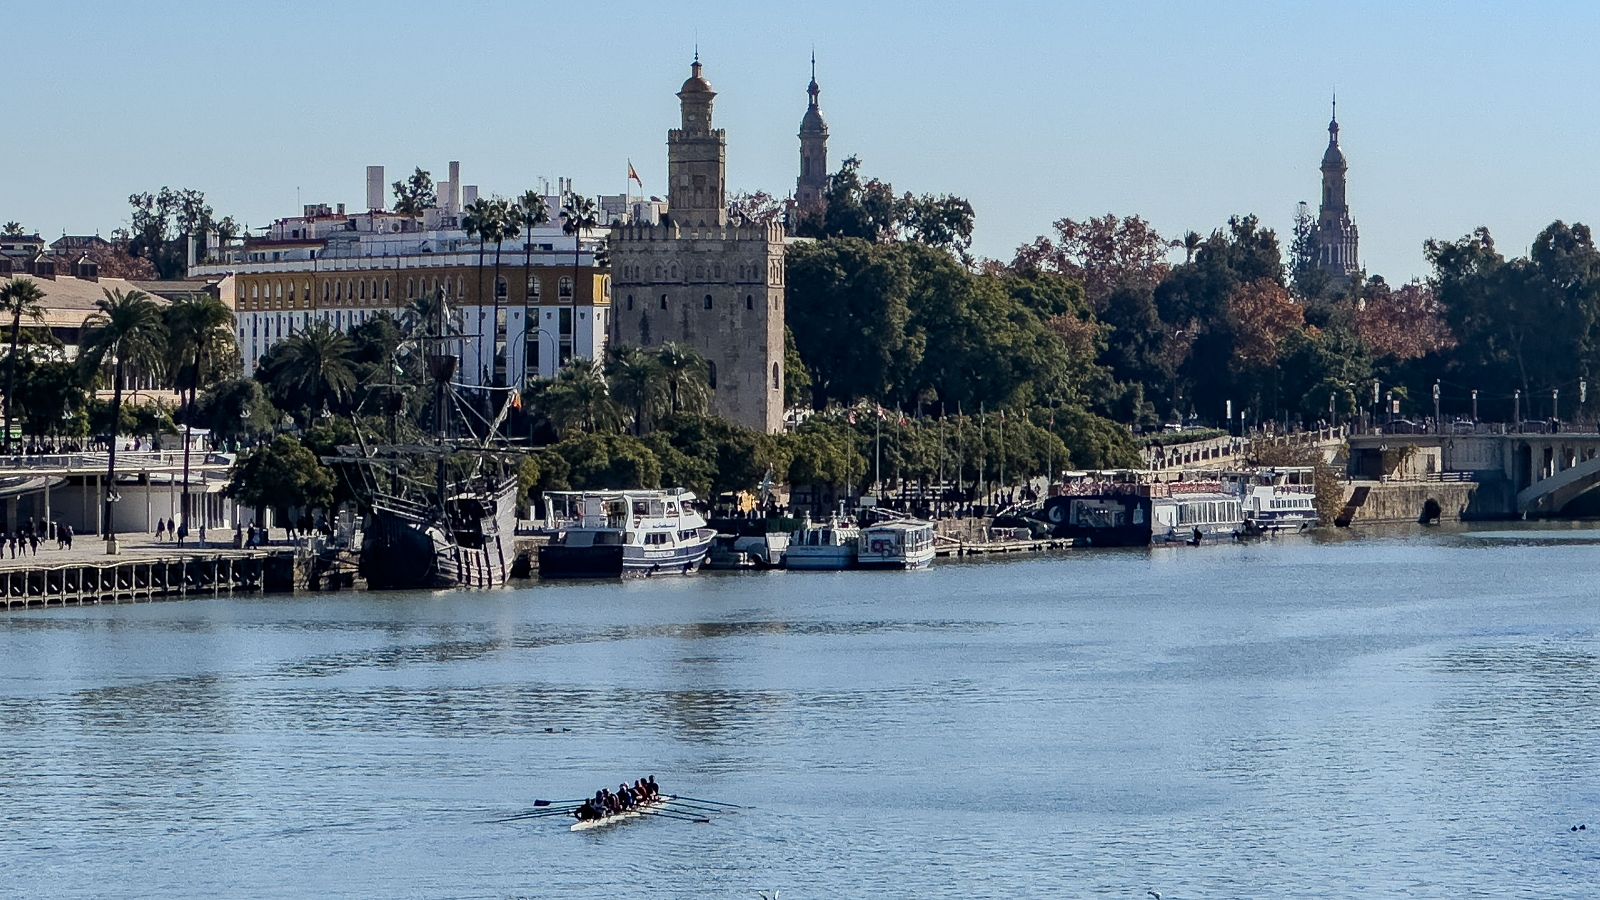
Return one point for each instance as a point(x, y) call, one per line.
point(91, 548)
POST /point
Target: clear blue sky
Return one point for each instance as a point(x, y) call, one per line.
point(1454, 115)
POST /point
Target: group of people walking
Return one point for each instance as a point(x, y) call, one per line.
point(168, 530)
point(25, 539)
point(608, 803)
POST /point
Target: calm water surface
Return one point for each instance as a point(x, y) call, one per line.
point(1415, 714)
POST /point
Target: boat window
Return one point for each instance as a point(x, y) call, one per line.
point(641, 508)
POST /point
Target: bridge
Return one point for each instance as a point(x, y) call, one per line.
point(1546, 471)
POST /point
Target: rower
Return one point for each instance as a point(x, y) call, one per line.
point(651, 783)
point(625, 796)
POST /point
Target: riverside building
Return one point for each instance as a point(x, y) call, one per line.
point(548, 304)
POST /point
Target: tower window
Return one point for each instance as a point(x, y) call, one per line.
point(775, 376)
point(749, 301)
point(663, 301)
point(711, 375)
point(708, 301)
point(630, 301)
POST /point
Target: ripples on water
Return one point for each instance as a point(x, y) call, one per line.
point(1409, 715)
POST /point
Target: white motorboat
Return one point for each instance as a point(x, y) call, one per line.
point(827, 545)
point(607, 534)
point(898, 544)
point(1280, 499)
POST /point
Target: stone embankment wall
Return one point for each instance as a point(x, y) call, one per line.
point(1371, 503)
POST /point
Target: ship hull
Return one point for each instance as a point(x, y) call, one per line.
point(405, 548)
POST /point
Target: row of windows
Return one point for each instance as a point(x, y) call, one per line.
point(351, 290)
point(665, 301)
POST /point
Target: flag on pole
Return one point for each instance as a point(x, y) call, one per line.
point(633, 175)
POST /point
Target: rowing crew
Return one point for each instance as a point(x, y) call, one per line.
point(609, 803)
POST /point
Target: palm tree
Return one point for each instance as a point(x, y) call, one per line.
point(635, 378)
point(196, 325)
point(1191, 242)
point(478, 221)
point(318, 364)
point(578, 215)
point(579, 400)
point(531, 211)
point(507, 224)
point(20, 297)
point(685, 374)
point(126, 330)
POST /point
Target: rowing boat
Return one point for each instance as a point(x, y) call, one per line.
point(634, 813)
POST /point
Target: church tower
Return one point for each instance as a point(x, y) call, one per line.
point(697, 158)
point(1336, 239)
point(813, 180)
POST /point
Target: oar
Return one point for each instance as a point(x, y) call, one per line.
point(698, 820)
point(563, 811)
point(712, 802)
point(701, 807)
point(559, 802)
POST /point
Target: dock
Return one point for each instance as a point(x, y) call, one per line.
point(145, 572)
point(960, 538)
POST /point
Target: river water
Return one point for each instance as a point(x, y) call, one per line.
point(1416, 713)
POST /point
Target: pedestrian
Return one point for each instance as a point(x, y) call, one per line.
point(202, 533)
point(161, 529)
point(68, 533)
point(33, 544)
point(182, 533)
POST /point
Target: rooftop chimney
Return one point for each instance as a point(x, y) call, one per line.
point(374, 188)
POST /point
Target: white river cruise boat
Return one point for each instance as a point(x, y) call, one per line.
point(898, 544)
point(1281, 499)
point(829, 544)
point(609, 534)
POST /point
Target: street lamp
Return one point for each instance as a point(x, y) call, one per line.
point(1516, 409)
point(1555, 409)
point(1474, 406)
point(1438, 423)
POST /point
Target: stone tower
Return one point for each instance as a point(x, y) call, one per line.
point(697, 157)
point(1336, 240)
point(703, 281)
point(813, 180)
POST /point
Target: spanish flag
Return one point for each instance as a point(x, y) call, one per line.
point(634, 176)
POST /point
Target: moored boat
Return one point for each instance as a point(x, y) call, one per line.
point(611, 534)
point(827, 545)
point(899, 544)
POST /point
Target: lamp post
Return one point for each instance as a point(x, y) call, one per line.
point(1388, 397)
point(1555, 408)
point(1374, 402)
point(1516, 409)
point(1474, 406)
point(1438, 423)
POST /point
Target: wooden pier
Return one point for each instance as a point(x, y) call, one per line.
point(973, 538)
point(77, 578)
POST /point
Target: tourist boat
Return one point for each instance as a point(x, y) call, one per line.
point(1280, 499)
point(827, 545)
point(1191, 511)
point(610, 534)
point(899, 544)
point(654, 804)
point(1118, 512)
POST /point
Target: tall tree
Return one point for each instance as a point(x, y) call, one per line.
point(19, 298)
point(532, 211)
point(507, 225)
point(636, 381)
point(578, 400)
point(196, 325)
point(578, 216)
point(313, 369)
point(415, 193)
point(479, 220)
point(686, 376)
point(126, 332)
point(1101, 253)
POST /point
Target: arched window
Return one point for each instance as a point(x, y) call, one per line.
point(564, 289)
point(363, 290)
point(501, 289)
point(711, 374)
point(386, 289)
point(411, 288)
point(775, 376)
point(663, 301)
point(338, 291)
point(630, 301)
point(280, 290)
point(291, 292)
point(324, 292)
point(708, 301)
point(533, 287)
point(749, 301)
